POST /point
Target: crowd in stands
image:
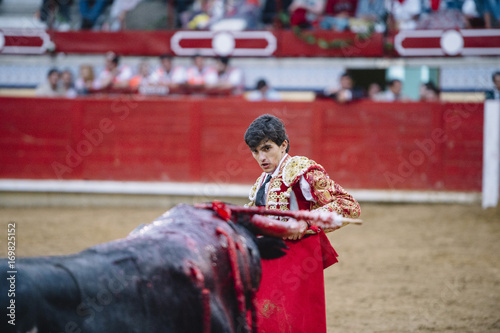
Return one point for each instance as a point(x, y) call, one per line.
point(347, 91)
point(338, 15)
point(167, 78)
point(218, 78)
point(381, 15)
point(57, 84)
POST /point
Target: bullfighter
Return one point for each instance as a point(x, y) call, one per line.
point(291, 297)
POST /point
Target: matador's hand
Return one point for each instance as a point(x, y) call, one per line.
point(300, 233)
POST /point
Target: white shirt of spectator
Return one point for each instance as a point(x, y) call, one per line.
point(176, 75)
point(45, 90)
point(270, 95)
point(71, 93)
point(404, 12)
point(386, 96)
point(124, 75)
point(233, 76)
point(207, 75)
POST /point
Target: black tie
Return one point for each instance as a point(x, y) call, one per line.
point(259, 199)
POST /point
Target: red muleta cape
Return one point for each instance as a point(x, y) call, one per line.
point(285, 301)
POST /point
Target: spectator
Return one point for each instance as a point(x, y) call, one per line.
point(306, 13)
point(272, 16)
point(67, 83)
point(489, 11)
point(91, 10)
point(373, 90)
point(393, 93)
point(346, 92)
point(168, 75)
point(429, 92)
point(182, 9)
point(263, 92)
point(472, 16)
point(370, 14)
point(446, 14)
point(337, 14)
point(403, 14)
point(56, 14)
point(118, 11)
point(222, 15)
point(238, 15)
point(199, 76)
point(51, 87)
point(229, 78)
point(85, 81)
point(202, 14)
point(114, 75)
point(495, 93)
point(141, 79)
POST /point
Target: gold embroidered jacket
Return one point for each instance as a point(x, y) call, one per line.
point(327, 194)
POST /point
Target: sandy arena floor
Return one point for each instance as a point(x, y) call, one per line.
point(409, 268)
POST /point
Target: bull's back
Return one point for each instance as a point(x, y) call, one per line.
point(154, 280)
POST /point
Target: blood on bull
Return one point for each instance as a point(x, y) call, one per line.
point(191, 270)
point(188, 271)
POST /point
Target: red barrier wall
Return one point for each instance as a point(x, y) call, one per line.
point(255, 43)
point(155, 43)
point(419, 146)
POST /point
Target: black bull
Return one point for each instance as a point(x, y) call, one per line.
point(188, 271)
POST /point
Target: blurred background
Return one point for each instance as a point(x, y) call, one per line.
point(132, 96)
point(113, 111)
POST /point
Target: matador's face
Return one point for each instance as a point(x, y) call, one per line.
point(268, 154)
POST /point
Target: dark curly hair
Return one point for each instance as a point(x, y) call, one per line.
point(266, 127)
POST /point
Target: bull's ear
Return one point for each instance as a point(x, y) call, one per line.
point(271, 248)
